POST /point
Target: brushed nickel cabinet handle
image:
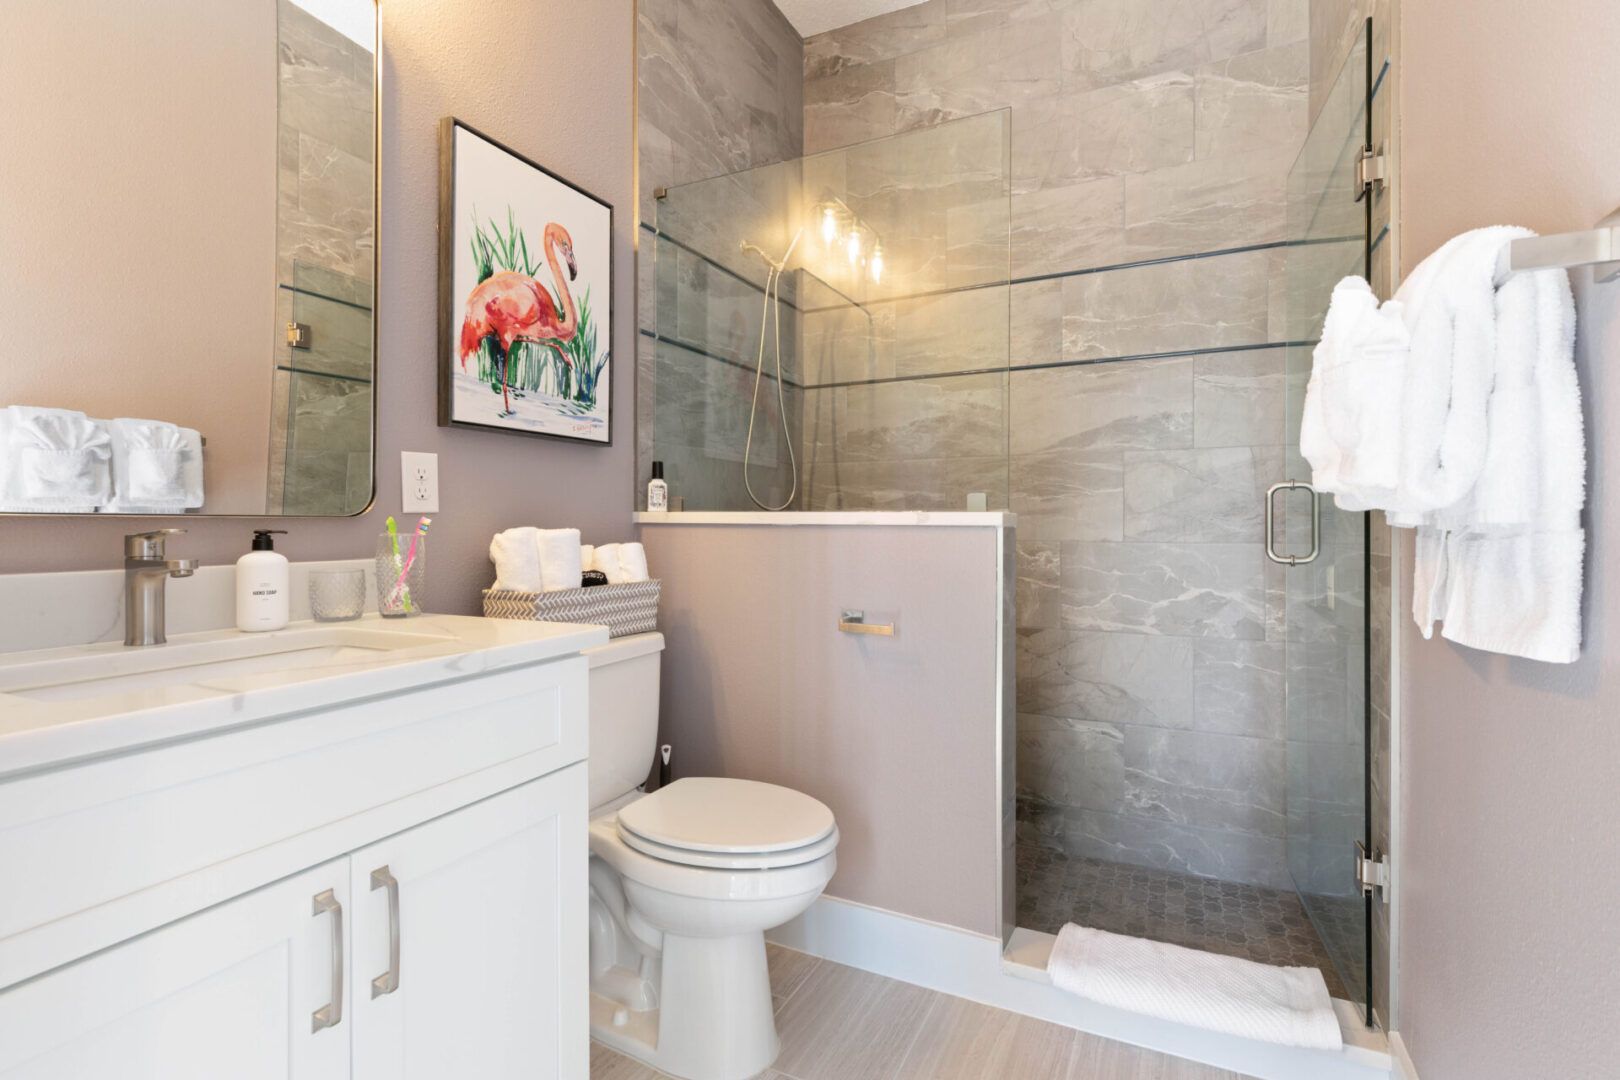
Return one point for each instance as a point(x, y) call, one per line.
point(388, 981)
point(331, 1014)
point(854, 622)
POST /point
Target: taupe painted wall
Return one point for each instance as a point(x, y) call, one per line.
point(138, 236)
point(1511, 769)
point(553, 80)
point(897, 735)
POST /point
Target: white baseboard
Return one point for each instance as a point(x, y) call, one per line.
point(964, 964)
point(1403, 1068)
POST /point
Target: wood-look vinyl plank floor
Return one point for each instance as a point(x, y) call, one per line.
point(841, 1023)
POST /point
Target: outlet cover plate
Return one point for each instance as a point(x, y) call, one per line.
point(419, 482)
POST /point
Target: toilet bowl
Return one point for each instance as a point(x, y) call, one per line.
point(684, 883)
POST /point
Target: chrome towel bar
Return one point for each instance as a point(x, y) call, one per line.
point(1598, 247)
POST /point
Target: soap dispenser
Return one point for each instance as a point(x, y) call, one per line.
point(261, 585)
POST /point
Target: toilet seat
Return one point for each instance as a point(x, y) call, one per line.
point(728, 824)
point(721, 860)
point(714, 883)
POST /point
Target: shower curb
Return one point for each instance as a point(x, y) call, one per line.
point(975, 966)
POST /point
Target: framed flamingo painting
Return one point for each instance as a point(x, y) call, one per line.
point(525, 295)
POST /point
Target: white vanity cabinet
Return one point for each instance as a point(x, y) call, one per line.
point(382, 886)
point(489, 976)
point(228, 992)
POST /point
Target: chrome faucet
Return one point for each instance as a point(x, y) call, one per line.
point(146, 572)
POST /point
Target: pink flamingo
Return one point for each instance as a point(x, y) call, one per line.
point(515, 307)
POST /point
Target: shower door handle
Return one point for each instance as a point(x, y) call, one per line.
point(1271, 521)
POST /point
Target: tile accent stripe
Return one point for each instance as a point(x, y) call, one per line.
point(1026, 280)
point(700, 351)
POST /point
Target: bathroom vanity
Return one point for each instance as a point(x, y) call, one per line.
point(336, 850)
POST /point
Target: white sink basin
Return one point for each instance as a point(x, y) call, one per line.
point(104, 670)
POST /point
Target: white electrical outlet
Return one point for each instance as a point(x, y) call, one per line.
point(419, 477)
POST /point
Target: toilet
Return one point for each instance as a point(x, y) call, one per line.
point(684, 883)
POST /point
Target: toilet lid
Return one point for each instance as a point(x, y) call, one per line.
point(726, 817)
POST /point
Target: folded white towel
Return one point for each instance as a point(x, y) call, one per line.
point(157, 467)
point(632, 563)
point(559, 553)
point(1451, 309)
point(1349, 432)
point(516, 555)
point(606, 559)
point(53, 460)
point(1502, 569)
point(586, 551)
point(1491, 460)
point(1286, 1005)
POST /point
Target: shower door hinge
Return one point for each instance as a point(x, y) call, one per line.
point(1372, 170)
point(1372, 872)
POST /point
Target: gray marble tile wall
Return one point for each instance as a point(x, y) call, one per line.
point(720, 91)
point(321, 411)
point(1150, 657)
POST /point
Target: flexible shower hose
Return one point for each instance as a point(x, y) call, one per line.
point(773, 292)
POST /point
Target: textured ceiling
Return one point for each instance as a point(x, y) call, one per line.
point(814, 16)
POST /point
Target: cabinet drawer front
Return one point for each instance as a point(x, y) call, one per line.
point(88, 835)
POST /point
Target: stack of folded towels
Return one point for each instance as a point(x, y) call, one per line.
point(62, 461)
point(1456, 409)
point(535, 560)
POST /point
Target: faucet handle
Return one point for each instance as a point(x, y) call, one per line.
point(147, 545)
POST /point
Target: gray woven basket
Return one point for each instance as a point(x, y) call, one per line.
point(624, 609)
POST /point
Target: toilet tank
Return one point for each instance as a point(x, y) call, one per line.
point(624, 714)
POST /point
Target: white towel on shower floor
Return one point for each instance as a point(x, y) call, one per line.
point(1285, 1005)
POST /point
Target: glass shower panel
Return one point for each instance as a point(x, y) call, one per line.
point(893, 327)
point(321, 430)
point(1326, 631)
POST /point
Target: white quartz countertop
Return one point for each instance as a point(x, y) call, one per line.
point(951, 518)
point(63, 704)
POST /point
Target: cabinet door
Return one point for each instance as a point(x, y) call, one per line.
point(489, 977)
point(228, 992)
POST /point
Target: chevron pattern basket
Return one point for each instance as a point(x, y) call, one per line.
point(624, 609)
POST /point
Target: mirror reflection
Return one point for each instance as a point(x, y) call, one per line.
point(187, 257)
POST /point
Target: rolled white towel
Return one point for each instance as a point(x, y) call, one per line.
point(632, 563)
point(516, 555)
point(586, 552)
point(559, 559)
point(606, 559)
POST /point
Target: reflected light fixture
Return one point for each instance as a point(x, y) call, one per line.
point(841, 228)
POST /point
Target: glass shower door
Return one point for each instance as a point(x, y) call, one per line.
point(1326, 635)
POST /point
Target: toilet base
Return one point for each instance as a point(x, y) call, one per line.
point(716, 1020)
